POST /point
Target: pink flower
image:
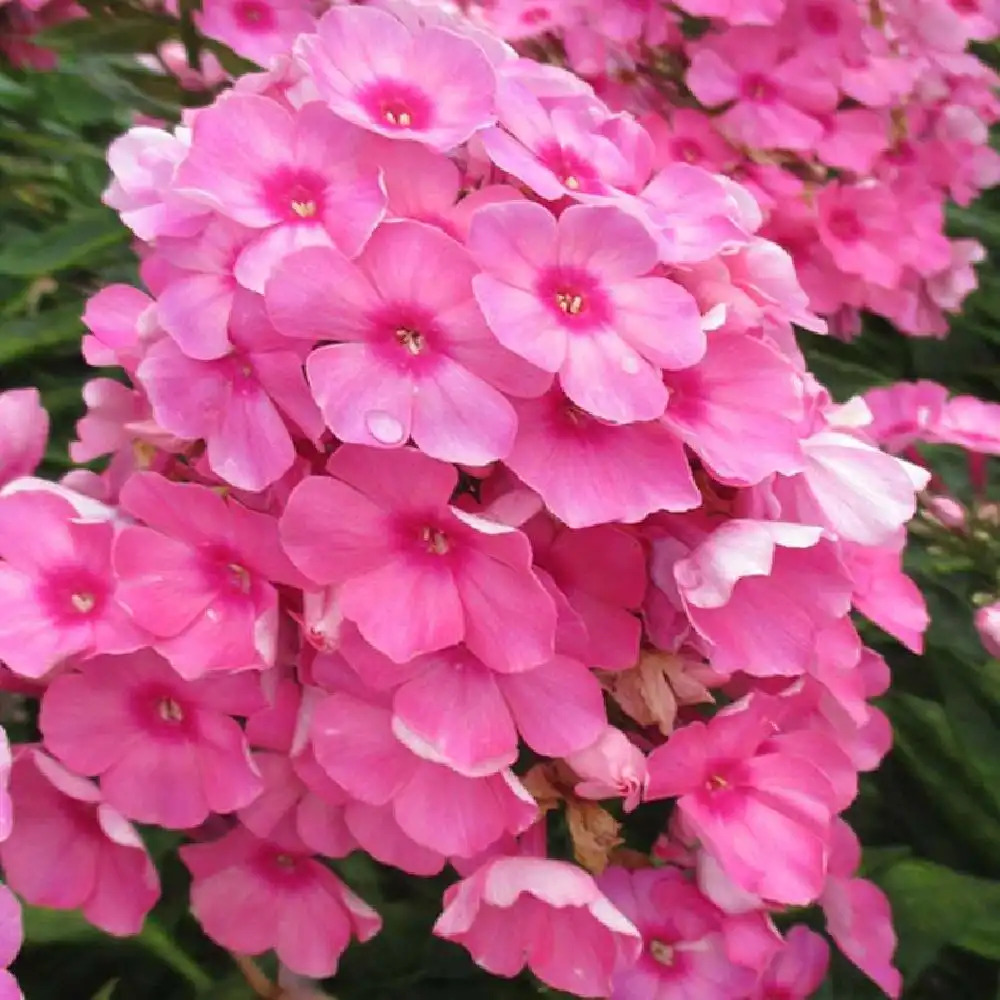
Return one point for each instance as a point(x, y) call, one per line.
point(904, 413)
point(423, 83)
point(298, 178)
point(710, 403)
point(856, 491)
point(601, 571)
point(11, 937)
point(798, 970)
point(764, 816)
point(859, 225)
point(573, 296)
point(684, 949)
point(988, 626)
point(70, 850)
point(589, 471)
point(737, 11)
point(241, 404)
point(776, 97)
point(105, 427)
point(195, 305)
point(970, 423)
point(747, 577)
point(167, 750)
point(458, 712)
point(256, 29)
point(418, 359)
point(299, 805)
point(857, 913)
point(612, 767)
point(143, 164)
point(287, 901)
point(198, 575)
point(59, 592)
point(415, 574)
point(547, 915)
point(555, 151)
point(118, 318)
point(436, 807)
point(24, 432)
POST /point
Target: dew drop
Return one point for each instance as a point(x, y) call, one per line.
point(384, 427)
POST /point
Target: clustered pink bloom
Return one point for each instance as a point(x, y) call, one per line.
point(853, 123)
point(451, 415)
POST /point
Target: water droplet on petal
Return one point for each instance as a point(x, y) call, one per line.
point(630, 364)
point(384, 427)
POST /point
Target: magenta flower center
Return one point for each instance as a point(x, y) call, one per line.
point(572, 170)
point(534, 16)
point(757, 87)
point(239, 577)
point(74, 594)
point(435, 540)
point(295, 195)
point(396, 104)
point(253, 15)
point(412, 340)
point(169, 711)
point(822, 19)
point(845, 225)
point(576, 298)
point(662, 952)
point(688, 150)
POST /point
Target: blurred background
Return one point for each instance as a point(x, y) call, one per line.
point(930, 817)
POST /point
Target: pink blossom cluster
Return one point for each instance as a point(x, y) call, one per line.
point(454, 428)
point(852, 121)
point(908, 414)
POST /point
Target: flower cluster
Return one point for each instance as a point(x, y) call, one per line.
point(910, 414)
point(853, 122)
point(454, 422)
point(21, 20)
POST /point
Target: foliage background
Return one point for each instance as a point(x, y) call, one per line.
point(929, 819)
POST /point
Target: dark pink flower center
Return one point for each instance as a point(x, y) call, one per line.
point(74, 594)
point(434, 540)
point(159, 712)
point(406, 335)
point(283, 869)
point(573, 171)
point(575, 297)
point(397, 104)
point(758, 88)
point(535, 16)
point(662, 952)
point(845, 225)
point(295, 195)
point(688, 150)
point(254, 15)
point(823, 19)
point(965, 6)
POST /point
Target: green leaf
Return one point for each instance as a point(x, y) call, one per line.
point(71, 244)
point(139, 32)
point(934, 906)
point(107, 991)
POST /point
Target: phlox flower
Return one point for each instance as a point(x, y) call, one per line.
point(575, 296)
point(798, 970)
point(423, 83)
point(71, 850)
point(288, 902)
point(242, 404)
point(775, 97)
point(167, 750)
point(435, 806)
point(199, 575)
point(763, 816)
point(11, 936)
point(589, 471)
point(60, 594)
point(24, 432)
point(547, 915)
point(298, 178)
point(684, 954)
point(760, 593)
point(415, 574)
point(611, 767)
point(987, 620)
point(416, 358)
point(256, 29)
